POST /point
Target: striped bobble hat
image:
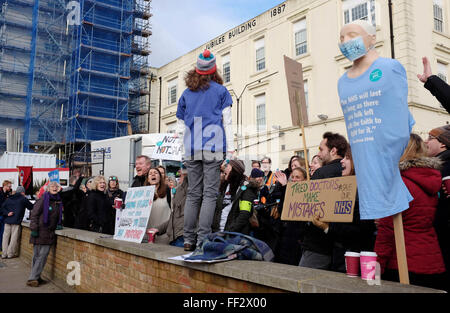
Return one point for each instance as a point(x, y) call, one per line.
point(206, 63)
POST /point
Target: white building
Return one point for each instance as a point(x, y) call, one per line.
point(250, 58)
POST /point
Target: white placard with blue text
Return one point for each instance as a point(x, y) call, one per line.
point(54, 176)
point(131, 222)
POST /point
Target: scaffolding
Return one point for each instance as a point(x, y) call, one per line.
point(109, 46)
point(66, 85)
point(139, 87)
point(33, 85)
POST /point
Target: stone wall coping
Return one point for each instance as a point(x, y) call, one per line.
point(285, 277)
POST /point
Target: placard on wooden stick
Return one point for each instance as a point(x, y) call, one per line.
point(332, 200)
point(296, 91)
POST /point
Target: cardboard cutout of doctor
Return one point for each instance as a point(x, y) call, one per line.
point(374, 99)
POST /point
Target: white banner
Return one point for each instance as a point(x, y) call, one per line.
point(168, 147)
point(131, 222)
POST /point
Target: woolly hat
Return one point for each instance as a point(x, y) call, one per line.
point(442, 134)
point(256, 173)
point(238, 165)
point(20, 189)
point(206, 63)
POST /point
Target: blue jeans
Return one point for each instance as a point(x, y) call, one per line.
point(179, 242)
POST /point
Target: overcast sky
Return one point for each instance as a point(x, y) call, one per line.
point(180, 26)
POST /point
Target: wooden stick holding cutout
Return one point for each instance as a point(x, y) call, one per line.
point(303, 134)
point(400, 249)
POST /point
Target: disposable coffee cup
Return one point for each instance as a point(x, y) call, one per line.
point(151, 235)
point(368, 261)
point(352, 263)
point(446, 183)
point(118, 203)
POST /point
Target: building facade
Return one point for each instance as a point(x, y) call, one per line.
point(250, 59)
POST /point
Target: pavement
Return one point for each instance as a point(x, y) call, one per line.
point(14, 275)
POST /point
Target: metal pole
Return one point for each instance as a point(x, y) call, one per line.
point(391, 26)
point(159, 113)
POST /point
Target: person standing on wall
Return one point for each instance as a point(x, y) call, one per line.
point(204, 121)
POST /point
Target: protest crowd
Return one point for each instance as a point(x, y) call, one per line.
point(211, 192)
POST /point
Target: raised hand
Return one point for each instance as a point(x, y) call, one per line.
point(426, 70)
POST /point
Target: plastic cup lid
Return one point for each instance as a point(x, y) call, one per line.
point(368, 253)
point(353, 254)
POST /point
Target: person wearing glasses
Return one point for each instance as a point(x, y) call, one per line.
point(438, 144)
point(113, 189)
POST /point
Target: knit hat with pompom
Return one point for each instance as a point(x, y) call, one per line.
point(206, 63)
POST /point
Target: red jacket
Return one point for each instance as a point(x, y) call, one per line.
point(423, 179)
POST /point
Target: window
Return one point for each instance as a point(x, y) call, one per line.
point(300, 37)
point(171, 127)
point(442, 71)
point(305, 87)
point(172, 91)
point(301, 154)
point(260, 55)
point(359, 10)
point(438, 16)
point(260, 102)
point(226, 68)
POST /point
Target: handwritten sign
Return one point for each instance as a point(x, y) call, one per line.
point(131, 222)
point(168, 147)
point(54, 176)
point(332, 200)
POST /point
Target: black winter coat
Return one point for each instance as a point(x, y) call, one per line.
point(314, 238)
point(356, 236)
point(442, 218)
point(47, 234)
point(72, 198)
point(100, 212)
point(139, 181)
point(82, 218)
point(440, 89)
point(238, 218)
point(3, 196)
point(17, 204)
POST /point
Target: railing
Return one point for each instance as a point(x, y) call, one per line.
point(106, 44)
point(111, 22)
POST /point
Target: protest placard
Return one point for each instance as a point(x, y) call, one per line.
point(168, 147)
point(331, 199)
point(131, 222)
point(296, 91)
point(54, 176)
point(297, 100)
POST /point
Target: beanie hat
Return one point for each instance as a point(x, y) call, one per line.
point(238, 165)
point(256, 173)
point(20, 189)
point(442, 134)
point(206, 63)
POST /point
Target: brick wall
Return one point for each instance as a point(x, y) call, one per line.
point(109, 270)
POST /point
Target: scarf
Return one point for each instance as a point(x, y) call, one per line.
point(47, 198)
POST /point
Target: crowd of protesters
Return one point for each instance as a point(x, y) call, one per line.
point(213, 194)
